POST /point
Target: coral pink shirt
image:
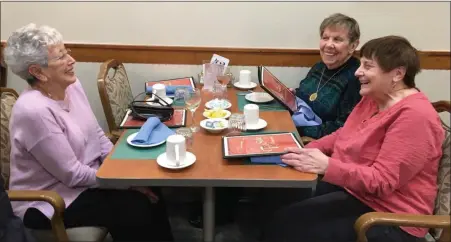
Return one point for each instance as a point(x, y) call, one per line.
point(388, 160)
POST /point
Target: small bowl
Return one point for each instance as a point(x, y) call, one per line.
point(226, 116)
point(211, 125)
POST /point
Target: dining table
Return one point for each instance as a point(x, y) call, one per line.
point(127, 166)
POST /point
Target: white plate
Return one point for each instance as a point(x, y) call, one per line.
point(259, 97)
point(132, 136)
point(245, 87)
point(218, 103)
point(203, 124)
point(163, 161)
point(260, 125)
point(166, 99)
point(228, 113)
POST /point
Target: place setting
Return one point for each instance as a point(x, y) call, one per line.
point(176, 155)
point(154, 140)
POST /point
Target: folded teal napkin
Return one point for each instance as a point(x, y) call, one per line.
point(170, 90)
point(273, 159)
point(152, 132)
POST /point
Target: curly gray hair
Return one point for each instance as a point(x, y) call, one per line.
point(29, 45)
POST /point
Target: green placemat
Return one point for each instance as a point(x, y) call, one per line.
point(271, 106)
point(125, 151)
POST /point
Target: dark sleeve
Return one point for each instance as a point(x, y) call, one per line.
point(349, 99)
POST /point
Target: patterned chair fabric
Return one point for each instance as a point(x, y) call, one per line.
point(119, 94)
point(8, 98)
point(442, 202)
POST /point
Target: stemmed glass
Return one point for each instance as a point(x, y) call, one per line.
point(192, 101)
point(224, 80)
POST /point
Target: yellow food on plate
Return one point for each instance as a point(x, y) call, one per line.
point(215, 113)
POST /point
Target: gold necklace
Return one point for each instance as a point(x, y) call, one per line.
point(314, 95)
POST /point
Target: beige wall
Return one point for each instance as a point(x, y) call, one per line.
point(256, 24)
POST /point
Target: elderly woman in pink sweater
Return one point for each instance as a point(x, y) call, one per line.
point(385, 157)
point(57, 144)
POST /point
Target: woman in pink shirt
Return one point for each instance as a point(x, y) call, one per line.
point(385, 157)
point(57, 144)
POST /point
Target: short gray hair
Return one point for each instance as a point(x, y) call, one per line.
point(339, 19)
point(29, 45)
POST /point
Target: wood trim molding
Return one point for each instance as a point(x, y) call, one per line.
point(439, 60)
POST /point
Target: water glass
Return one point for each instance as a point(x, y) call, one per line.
point(188, 134)
point(180, 96)
point(237, 124)
point(219, 91)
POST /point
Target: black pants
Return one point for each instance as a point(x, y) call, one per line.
point(328, 216)
point(127, 214)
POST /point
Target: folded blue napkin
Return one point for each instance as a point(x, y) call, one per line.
point(170, 90)
point(152, 132)
point(273, 159)
point(305, 115)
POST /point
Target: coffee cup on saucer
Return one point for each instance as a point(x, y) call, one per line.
point(176, 149)
point(252, 117)
point(245, 78)
point(251, 114)
point(245, 81)
point(159, 89)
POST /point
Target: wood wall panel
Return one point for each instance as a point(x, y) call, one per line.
point(439, 60)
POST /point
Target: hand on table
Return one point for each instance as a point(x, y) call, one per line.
point(306, 160)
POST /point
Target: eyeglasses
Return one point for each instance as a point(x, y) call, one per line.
point(63, 56)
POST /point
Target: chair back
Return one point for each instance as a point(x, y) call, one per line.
point(115, 92)
point(442, 202)
point(8, 99)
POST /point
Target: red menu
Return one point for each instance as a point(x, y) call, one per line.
point(257, 145)
point(186, 81)
point(177, 120)
point(281, 92)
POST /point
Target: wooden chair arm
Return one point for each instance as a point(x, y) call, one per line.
point(114, 135)
point(368, 220)
point(53, 199)
point(306, 140)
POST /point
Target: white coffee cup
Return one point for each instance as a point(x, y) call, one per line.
point(176, 149)
point(159, 89)
point(251, 114)
point(245, 78)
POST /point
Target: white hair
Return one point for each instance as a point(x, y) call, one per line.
point(29, 45)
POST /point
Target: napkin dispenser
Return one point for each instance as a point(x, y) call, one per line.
point(142, 110)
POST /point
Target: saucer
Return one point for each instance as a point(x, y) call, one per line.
point(132, 136)
point(260, 125)
point(218, 103)
point(163, 161)
point(245, 87)
point(259, 97)
point(151, 102)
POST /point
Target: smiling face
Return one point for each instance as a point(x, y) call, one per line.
point(335, 46)
point(60, 69)
point(374, 80)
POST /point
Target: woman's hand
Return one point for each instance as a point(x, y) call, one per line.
point(306, 160)
point(292, 90)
